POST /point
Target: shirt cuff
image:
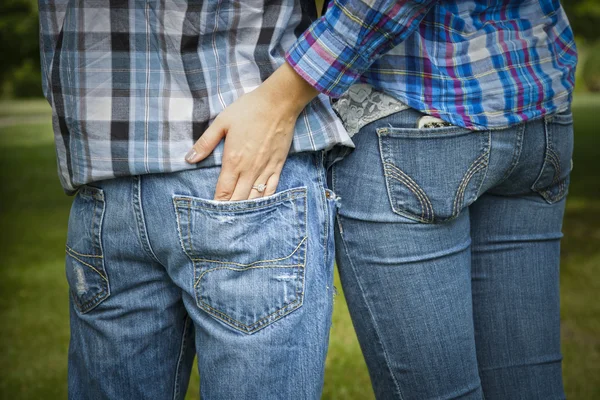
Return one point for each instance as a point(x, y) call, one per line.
point(325, 61)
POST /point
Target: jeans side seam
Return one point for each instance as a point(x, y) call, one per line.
point(139, 216)
point(320, 167)
point(176, 390)
point(376, 327)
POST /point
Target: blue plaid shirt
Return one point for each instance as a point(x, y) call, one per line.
point(479, 64)
point(134, 83)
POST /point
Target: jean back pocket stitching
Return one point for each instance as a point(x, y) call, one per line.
point(248, 266)
point(83, 255)
point(477, 165)
point(87, 264)
point(289, 307)
point(427, 213)
point(99, 207)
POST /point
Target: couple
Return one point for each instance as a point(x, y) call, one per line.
point(438, 182)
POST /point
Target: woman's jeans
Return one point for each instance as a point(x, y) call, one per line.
point(158, 272)
point(448, 248)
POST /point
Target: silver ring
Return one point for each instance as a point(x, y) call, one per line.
point(259, 188)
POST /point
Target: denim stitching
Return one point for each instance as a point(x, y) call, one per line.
point(479, 163)
point(388, 189)
point(459, 198)
point(233, 207)
point(461, 193)
point(83, 255)
point(139, 216)
point(294, 305)
point(409, 186)
point(255, 262)
point(375, 325)
point(481, 166)
point(241, 210)
point(176, 390)
point(244, 269)
point(249, 328)
point(320, 167)
point(89, 265)
point(300, 271)
point(516, 154)
point(89, 305)
point(426, 206)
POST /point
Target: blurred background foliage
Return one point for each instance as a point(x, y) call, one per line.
point(20, 66)
point(34, 331)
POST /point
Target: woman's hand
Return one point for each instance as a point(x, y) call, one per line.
point(258, 129)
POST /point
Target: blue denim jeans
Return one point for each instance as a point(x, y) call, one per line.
point(158, 272)
point(447, 244)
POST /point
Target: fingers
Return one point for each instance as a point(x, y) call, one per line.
point(226, 183)
point(261, 180)
point(272, 184)
point(206, 143)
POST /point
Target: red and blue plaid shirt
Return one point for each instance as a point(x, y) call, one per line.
point(479, 64)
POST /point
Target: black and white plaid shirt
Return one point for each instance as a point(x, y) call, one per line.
point(133, 84)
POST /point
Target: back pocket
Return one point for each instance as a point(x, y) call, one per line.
point(431, 174)
point(248, 256)
point(553, 181)
point(87, 278)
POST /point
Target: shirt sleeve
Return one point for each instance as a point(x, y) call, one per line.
point(337, 48)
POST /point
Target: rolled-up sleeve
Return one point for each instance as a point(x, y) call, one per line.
point(338, 47)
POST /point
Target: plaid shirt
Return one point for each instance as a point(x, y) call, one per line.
point(479, 64)
point(134, 83)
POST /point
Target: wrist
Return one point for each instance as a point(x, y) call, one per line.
point(289, 90)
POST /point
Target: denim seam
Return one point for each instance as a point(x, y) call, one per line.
point(384, 163)
point(176, 390)
point(320, 168)
point(278, 198)
point(552, 158)
point(283, 311)
point(516, 155)
point(407, 183)
point(476, 166)
point(83, 307)
point(427, 213)
point(181, 239)
point(141, 221)
point(286, 309)
point(536, 360)
point(88, 265)
point(244, 269)
point(98, 196)
point(375, 325)
point(256, 262)
point(81, 254)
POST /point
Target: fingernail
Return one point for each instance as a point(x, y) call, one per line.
point(191, 155)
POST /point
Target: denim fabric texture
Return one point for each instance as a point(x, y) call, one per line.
point(159, 272)
point(448, 244)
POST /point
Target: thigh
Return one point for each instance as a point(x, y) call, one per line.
point(403, 251)
point(130, 334)
point(515, 275)
point(516, 232)
point(257, 277)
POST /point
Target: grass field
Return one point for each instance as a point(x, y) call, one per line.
point(33, 291)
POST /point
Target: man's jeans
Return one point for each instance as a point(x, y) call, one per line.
point(159, 272)
point(448, 248)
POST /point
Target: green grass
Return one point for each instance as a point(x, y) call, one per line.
point(33, 291)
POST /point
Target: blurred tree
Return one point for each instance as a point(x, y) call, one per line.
point(19, 45)
point(591, 68)
point(584, 16)
point(20, 66)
